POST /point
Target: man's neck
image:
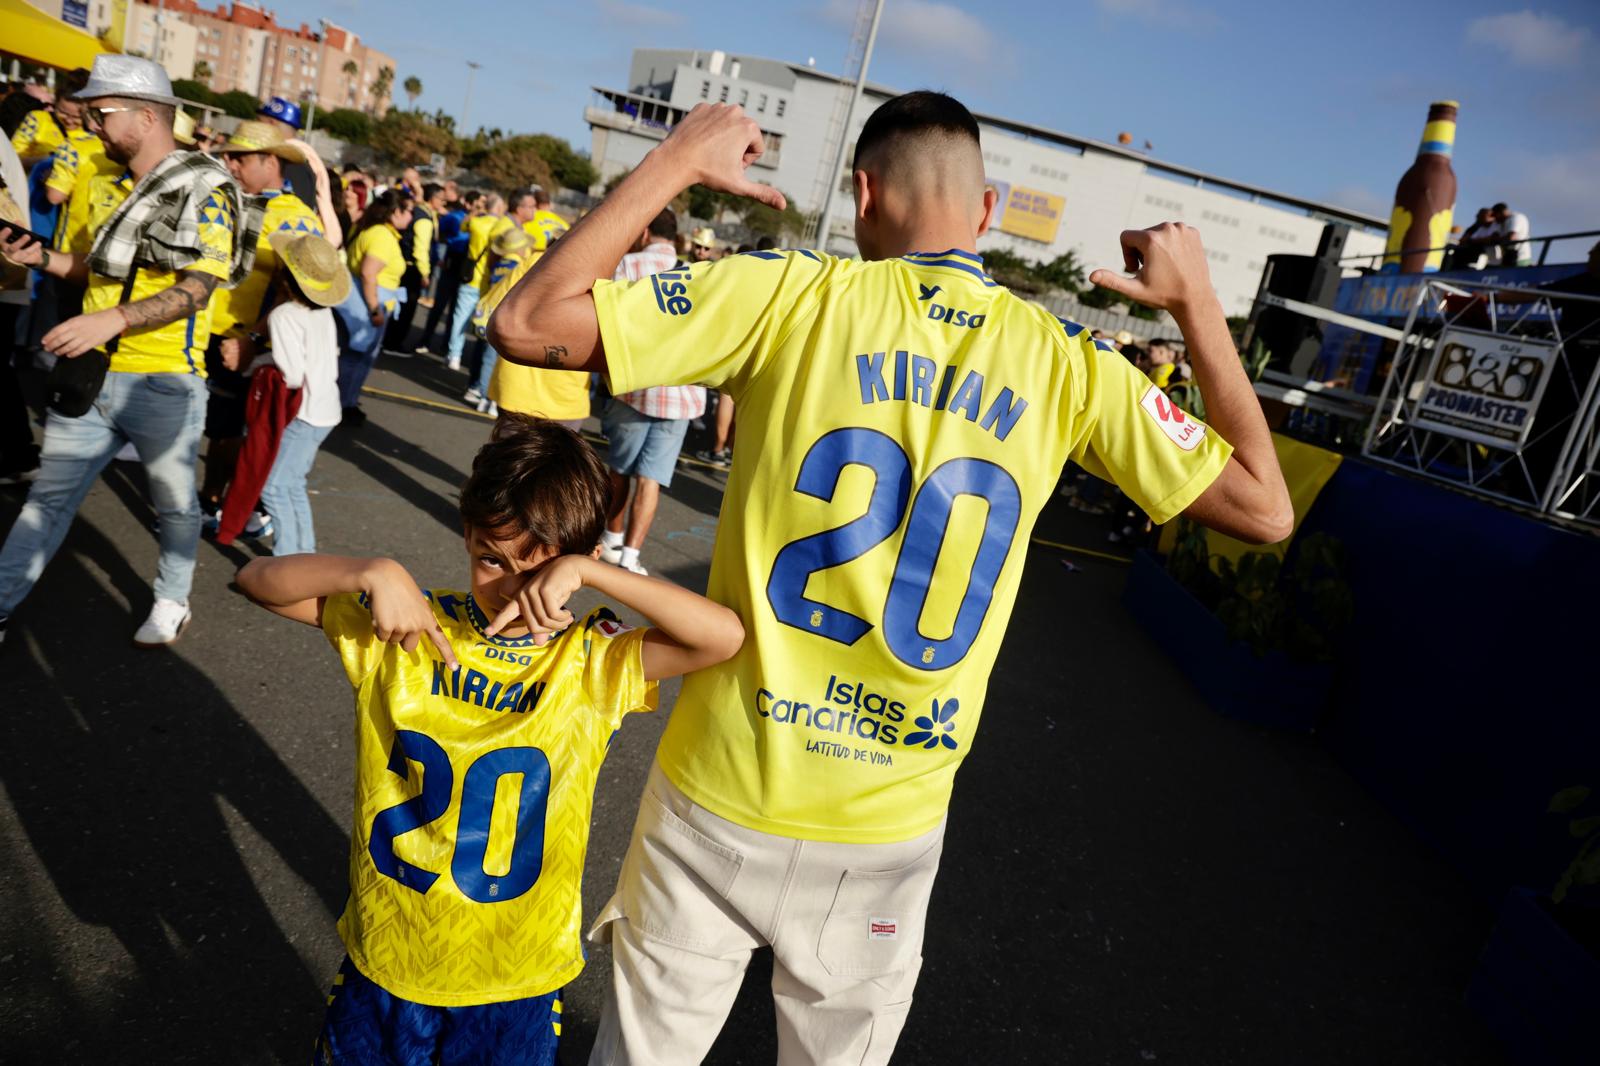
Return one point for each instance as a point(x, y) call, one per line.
point(927, 234)
point(149, 155)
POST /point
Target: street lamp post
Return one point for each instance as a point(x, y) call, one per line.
point(466, 105)
point(844, 133)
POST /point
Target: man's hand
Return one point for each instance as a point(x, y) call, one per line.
point(84, 333)
point(1169, 269)
point(236, 352)
point(714, 145)
point(540, 596)
point(24, 251)
point(401, 614)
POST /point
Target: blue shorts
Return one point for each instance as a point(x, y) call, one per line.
point(366, 1025)
point(642, 446)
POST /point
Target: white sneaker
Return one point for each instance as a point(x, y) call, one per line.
point(128, 453)
point(611, 555)
point(167, 621)
point(452, 364)
point(472, 395)
point(259, 525)
point(633, 567)
point(494, 410)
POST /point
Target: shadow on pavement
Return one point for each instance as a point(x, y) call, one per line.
point(139, 786)
point(387, 459)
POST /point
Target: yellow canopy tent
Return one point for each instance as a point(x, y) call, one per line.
point(35, 37)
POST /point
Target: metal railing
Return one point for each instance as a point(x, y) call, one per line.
point(1374, 260)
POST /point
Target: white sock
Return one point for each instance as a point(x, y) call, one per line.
point(611, 540)
point(630, 556)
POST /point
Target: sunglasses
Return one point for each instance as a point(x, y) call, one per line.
point(96, 116)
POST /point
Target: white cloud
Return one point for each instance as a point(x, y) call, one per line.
point(640, 16)
point(927, 27)
point(1360, 198)
point(1531, 39)
point(1165, 14)
point(1555, 190)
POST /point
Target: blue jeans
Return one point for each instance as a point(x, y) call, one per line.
point(466, 303)
point(366, 340)
point(486, 370)
point(162, 415)
point(284, 494)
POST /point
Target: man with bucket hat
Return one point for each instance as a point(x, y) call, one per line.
point(166, 234)
point(256, 155)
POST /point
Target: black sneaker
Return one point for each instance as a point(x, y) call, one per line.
point(721, 460)
point(353, 416)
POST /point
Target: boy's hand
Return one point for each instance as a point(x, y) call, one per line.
point(401, 614)
point(715, 144)
point(540, 597)
point(1169, 269)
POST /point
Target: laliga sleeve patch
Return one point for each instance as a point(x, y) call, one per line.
point(612, 628)
point(1183, 430)
point(883, 929)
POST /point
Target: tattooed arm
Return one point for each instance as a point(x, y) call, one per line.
point(186, 296)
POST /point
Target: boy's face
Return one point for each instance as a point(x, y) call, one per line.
point(494, 566)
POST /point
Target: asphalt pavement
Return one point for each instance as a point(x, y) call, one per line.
point(1128, 878)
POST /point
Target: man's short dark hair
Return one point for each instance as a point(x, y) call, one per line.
point(918, 112)
point(471, 196)
point(430, 190)
point(1500, 207)
point(540, 197)
point(537, 483)
point(766, 244)
point(665, 224)
point(518, 198)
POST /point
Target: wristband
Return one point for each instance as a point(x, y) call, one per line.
point(44, 263)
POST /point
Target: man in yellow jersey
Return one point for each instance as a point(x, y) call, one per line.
point(147, 309)
point(38, 140)
point(256, 155)
point(904, 420)
point(44, 129)
point(417, 243)
point(465, 913)
point(546, 227)
point(481, 232)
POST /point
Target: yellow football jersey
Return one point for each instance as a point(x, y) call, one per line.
point(38, 134)
point(481, 232)
point(474, 790)
point(240, 306)
point(901, 424)
point(73, 165)
point(178, 347)
point(545, 227)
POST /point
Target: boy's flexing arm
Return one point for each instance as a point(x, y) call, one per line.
point(297, 586)
point(691, 632)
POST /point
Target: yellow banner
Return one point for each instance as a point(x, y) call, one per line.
point(114, 33)
point(1032, 214)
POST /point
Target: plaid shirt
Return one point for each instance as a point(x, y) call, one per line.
point(158, 225)
point(663, 401)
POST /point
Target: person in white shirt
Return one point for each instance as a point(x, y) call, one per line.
point(305, 348)
point(1511, 234)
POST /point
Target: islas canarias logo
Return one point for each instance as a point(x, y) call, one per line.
point(934, 728)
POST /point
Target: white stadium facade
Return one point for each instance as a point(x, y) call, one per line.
point(1058, 191)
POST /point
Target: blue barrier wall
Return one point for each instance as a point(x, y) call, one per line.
point(1468, 693)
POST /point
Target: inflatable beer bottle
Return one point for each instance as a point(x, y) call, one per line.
point(1425, 198)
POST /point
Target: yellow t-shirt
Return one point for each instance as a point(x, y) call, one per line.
point(901, 424)
point(240, 306)
point(474, 790)
point(422, 228)
point(38, 135)
point(545, 227)
point(73, 165)
point(1161, 374)
point(481, 232)
point(562, 395)
point(177, 347)
point(383, 244)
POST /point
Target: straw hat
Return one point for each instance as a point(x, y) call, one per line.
point(511, 241)
point(316, 265)
point(253, 136)
point(1124, 337)
point(128, 76)
point(705, 236)
point(183, 128)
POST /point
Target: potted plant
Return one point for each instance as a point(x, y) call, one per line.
point(1537, 984)
point(1258, 637)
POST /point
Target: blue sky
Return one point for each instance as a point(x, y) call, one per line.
point(1325, 101)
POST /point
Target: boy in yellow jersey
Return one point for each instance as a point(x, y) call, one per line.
point(44, 129)
point(903, 420)
point(147, 308)
point(478, 742)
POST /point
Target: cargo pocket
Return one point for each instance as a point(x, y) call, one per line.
point(675, 882)
point(876, 922)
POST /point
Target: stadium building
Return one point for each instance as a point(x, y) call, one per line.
point(1057, 191)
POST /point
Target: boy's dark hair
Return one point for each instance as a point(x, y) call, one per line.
point(766, 244)
point(664, 224)
point(920, 112)
point(537, 483)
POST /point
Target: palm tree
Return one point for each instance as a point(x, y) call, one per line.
point(380, 86)
point(413, 88)
point(202, 71)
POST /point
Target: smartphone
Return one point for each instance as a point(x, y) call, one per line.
point(13, 231)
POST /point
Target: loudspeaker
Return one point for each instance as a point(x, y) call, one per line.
point(1293, 339)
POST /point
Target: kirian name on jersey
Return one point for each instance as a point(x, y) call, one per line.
point(470, 686)
point(912, 378)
